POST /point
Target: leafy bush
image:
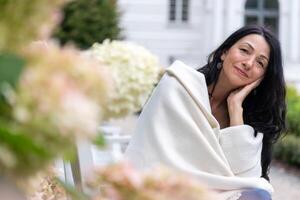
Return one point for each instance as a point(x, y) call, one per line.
point(293, 113)
point(86, 22)
point(288, 150)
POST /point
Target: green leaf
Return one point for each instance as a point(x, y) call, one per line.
point(31, 156)
point(11, 67)
point(99, 141)
point(5, 108)
point(18, 141)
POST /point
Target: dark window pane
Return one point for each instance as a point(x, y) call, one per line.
point(252, 4)
point(263, 12)
point(172, 11)
point(251, 20)
point(271, 23)
point(185, 10)
point(271, 4)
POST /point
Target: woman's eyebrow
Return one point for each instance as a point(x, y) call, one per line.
point(263, 56)
point(248, 44)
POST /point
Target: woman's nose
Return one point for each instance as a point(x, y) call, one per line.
point(248, 63)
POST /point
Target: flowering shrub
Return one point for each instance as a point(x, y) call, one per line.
point(76, 89)
point(122, 182)
point(59, 96)
point(135, 71)
point(57, 101)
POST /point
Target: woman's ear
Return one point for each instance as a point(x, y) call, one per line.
point(223, 55)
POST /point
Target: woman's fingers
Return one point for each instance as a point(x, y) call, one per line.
point(256, 83)
point(237, 96)
point(240, 94)
point(248, 88)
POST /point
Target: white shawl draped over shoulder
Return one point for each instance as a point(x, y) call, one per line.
point(176, 129)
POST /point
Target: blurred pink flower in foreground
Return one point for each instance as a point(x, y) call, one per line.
point(122, 182)
point(61, 93)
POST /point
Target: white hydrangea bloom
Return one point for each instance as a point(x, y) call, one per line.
point(135, 71)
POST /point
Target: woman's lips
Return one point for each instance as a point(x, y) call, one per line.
point(241, 72)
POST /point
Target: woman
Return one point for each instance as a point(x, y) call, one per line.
point(218, 123)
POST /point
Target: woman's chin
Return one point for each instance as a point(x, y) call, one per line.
point(237, 83)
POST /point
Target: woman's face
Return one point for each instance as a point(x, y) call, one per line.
point(247, 60)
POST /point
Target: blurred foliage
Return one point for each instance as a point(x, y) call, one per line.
point(88, 21)
point(22, 149)
point(293, 113)
point(99, 140)
point(288, 150)
point(28, 20)
point(10, 69)
point(5, 108)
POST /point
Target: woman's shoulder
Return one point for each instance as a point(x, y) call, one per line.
point(181, 77)
point(185, 74)
point(179, 68)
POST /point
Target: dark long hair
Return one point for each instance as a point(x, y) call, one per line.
point(265, 109)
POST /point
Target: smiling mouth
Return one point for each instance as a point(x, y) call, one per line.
point(241, 72)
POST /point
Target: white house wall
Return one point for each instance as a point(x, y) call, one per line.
point(284, 26)
point(146, 22)
point(289, 34)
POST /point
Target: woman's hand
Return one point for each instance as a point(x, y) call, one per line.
point(235, 100)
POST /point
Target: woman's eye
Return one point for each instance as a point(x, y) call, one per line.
point(244, 50)
point(261, 64)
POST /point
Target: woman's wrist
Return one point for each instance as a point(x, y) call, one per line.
point(236, 116)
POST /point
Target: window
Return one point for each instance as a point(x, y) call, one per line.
point(262, 12)
point(179, 11)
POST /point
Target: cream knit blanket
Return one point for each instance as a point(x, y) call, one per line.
point(176, 129)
